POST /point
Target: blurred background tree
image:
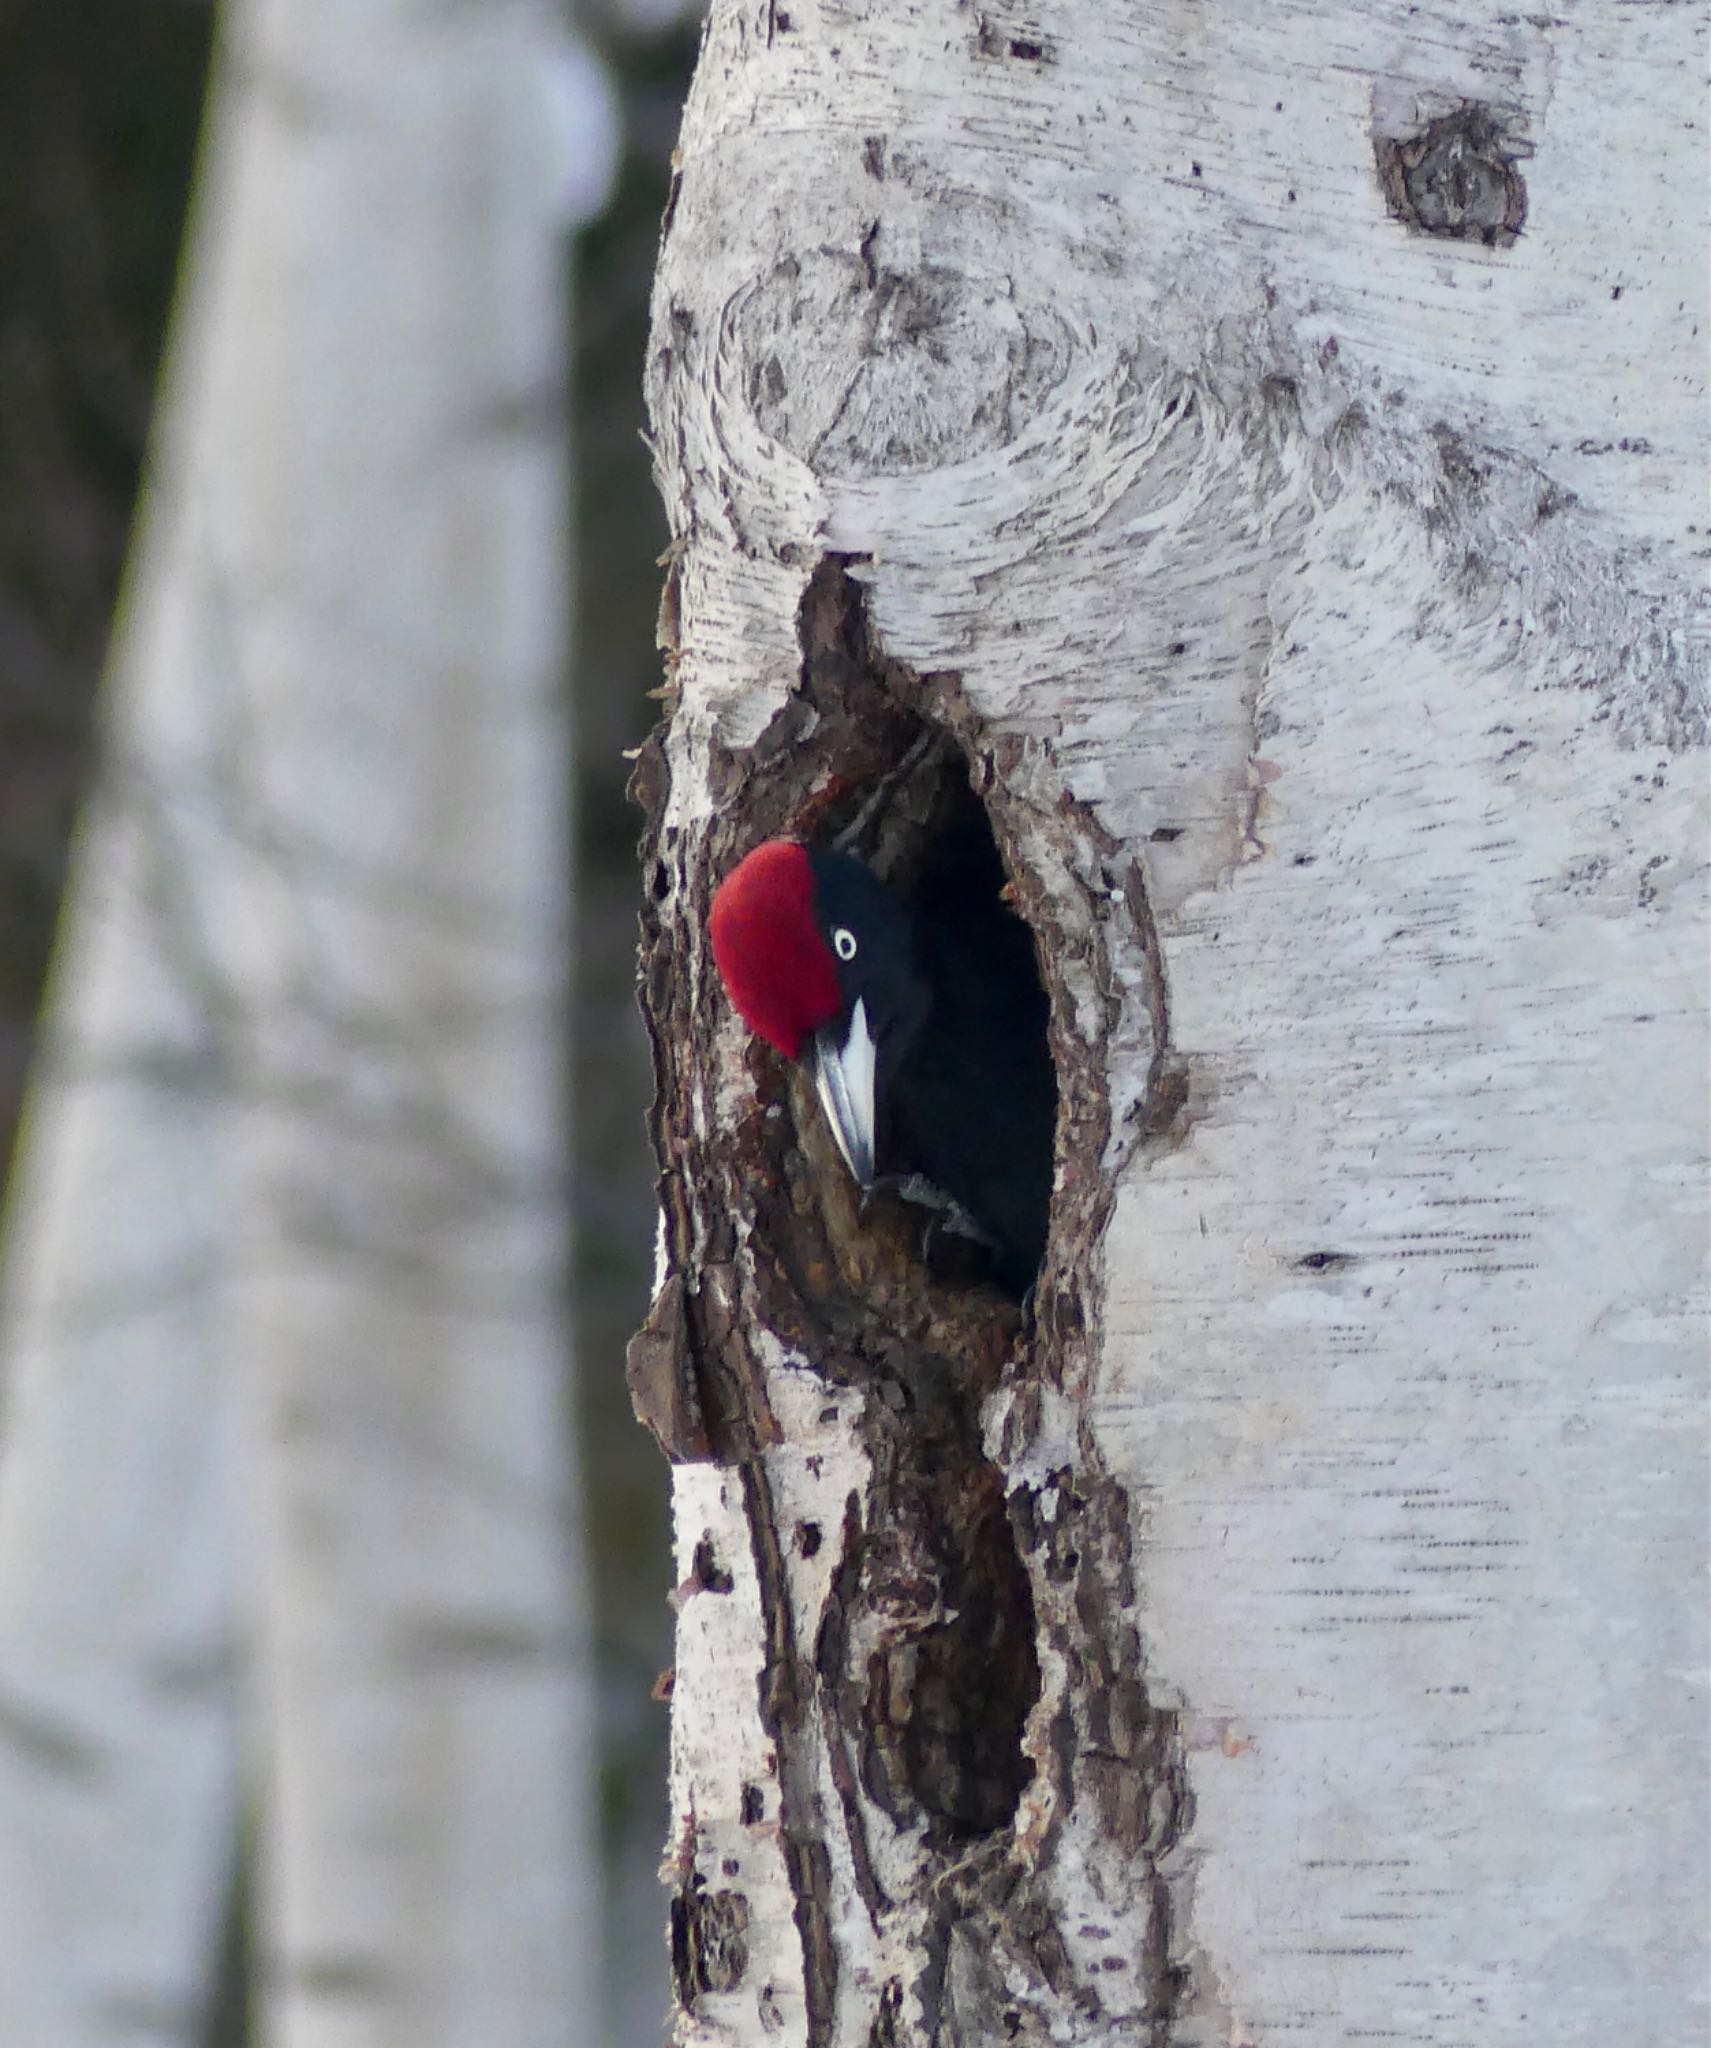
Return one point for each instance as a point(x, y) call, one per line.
point(100, 109)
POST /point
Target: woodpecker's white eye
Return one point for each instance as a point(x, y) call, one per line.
point(843, 943)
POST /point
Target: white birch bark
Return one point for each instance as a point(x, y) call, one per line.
point(286, 1269)
point(1319, 600)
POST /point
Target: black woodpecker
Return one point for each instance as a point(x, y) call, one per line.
point(926, 1032)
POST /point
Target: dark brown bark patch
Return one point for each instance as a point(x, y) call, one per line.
point(925, 1651)
point(1456, 178)
point(709, 1941)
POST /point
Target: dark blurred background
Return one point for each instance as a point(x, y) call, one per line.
point(100, 106)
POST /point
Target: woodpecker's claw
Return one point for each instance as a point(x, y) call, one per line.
point(946, 1212)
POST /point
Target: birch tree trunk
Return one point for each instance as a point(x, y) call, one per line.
point(286, 1343)
point(1264, 448)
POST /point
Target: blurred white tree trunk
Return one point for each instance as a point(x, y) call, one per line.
point(1160, 402)
point(285, 1351)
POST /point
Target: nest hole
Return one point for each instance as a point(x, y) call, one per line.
point(984, 1063)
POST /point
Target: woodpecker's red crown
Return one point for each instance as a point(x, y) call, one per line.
point(773, 957)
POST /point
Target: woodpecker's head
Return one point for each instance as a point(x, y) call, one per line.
point(816, 957)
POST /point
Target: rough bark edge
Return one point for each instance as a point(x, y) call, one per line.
point(762, 1241)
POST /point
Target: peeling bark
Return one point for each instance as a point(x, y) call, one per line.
point(1121, 1669)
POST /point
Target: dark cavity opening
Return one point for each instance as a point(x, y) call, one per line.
point(975, 1680)
point(926, 1654)
point(928, 1644)
point(972, 1104)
